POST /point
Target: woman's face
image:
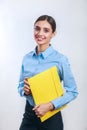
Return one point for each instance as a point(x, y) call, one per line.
point(43, 32)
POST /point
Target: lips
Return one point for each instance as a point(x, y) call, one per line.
point(39, 38)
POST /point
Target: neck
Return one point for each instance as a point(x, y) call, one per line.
point(42, 48)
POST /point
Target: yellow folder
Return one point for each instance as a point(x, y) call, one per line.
point(46, 87)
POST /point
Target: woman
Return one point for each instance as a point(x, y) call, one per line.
point(36, 61)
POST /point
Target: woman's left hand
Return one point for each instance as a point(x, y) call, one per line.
point(42, 109)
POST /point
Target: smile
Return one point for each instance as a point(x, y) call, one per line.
point(39, 38)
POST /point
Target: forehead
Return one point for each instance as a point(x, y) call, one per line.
point(43, 24)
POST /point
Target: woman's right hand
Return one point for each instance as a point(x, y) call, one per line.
point(27, 90)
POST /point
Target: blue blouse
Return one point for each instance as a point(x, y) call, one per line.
point(33, 64)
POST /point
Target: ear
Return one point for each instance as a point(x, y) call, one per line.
point(54, 34)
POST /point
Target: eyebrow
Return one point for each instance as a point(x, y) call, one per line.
point(40, 27)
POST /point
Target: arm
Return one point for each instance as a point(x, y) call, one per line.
point(70, 91)
point(68, 83)
point(24, 90)
point(23, 87)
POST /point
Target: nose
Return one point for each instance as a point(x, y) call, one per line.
point(40, 32)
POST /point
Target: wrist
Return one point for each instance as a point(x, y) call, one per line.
point(51, 106)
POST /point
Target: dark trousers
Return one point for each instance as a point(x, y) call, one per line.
point(31, 122)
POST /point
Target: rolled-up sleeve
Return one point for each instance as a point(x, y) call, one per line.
point(69, 85)
point(20, 88)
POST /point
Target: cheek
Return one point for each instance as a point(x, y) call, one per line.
point(35, 34)
point(49, 36)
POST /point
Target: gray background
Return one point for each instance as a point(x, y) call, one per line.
point(16, 39)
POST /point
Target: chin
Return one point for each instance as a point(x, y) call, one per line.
point(39, 43)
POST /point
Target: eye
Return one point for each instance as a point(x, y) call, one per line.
point(46, 30)
point(37, 28)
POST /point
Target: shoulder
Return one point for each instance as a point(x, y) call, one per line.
point(62, 57)
point(28, 55)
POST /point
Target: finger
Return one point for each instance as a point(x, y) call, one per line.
point(27, 91)
point(26, 82)
point(26, 87)
point(35, 107)
point(38, 114)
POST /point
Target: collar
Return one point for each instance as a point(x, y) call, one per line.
point(45, 53)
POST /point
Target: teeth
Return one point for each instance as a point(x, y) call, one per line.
point(40, 38)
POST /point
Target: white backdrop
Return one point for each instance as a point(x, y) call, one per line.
point(16, 39)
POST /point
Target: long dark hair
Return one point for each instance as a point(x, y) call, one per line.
point(49, 19)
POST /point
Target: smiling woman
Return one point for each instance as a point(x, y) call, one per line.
point(17, 18)
point(44, 31)
point(43, 34)
point(36, 61)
